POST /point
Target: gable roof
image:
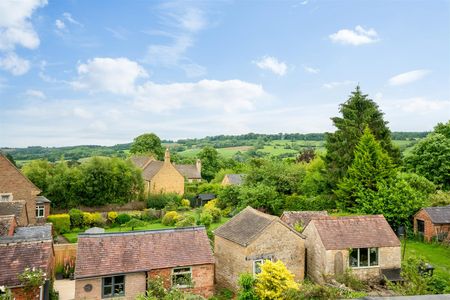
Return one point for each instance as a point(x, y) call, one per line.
point(206, 196)
point(355, 232)
point(294, 217)
point(42, 199)
point(439, 214)
point(189, 171)
point(6, 176)
point(235, 179)
point(247, 225)
point(140, 251)
point(15, 207)
point(152, 169)
point(140, 160)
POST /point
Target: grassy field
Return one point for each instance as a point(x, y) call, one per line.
point(72, 237)
point(436, 254)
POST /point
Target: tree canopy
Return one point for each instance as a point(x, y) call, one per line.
point(148, 143)
point(211, 162)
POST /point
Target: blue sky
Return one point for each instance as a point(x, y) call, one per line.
point(103, 72)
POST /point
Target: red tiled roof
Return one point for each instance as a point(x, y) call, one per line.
point(15, 257)
point(113, 253)
point(355, 232)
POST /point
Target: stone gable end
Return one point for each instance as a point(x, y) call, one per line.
point(167, 180)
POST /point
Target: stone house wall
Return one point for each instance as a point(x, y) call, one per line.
point(202, 279)
point(13, 181)
point(167, 180)
point(315, 254)
point(135, 284)
point(277, 241)
point(430, 230)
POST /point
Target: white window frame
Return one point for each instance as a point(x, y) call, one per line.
point(40, 208)
point(10, 197)
point(368, 258)
point(175, 271)
point(260, 261)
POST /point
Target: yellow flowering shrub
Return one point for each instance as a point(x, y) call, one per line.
point(185, 203)
point(274, 280)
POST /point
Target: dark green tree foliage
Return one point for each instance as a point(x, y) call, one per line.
point(39, 172)
point(211, 163)
point(357, 112)
point(371, 166)
point(431, 156)
point(148, 143)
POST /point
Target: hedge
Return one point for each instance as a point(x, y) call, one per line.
point(61, 222)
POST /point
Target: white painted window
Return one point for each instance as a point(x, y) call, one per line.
point(40, 211)
point(182, 277)
point(257, 265)
point(6, 197)
point(363, 257)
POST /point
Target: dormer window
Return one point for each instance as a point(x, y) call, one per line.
point(4, 197)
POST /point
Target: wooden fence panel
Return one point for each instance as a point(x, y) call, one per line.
point(63, 251)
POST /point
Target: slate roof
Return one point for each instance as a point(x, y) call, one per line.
point(246, 226)
point(42, 199)
point(140, 160)
point(189, 171)
point(439, 214)
point(235, 179)
point(206, 196)
point(139, 251)
point(29, 234)
point(304, 217)
point(5, 224)
point(355, 232)
point(152, 169)
point(12, 207)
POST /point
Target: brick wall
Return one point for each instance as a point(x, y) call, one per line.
point(135, 284)
point(167, 180)
point(430, 230)
point(202, 279)
point(13, 181)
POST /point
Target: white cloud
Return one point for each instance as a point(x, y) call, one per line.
point(35, 94)
point(14, 64)
point(334, 84)
point(82, 113)
point(69, 18)
point(357, 37)
point(422, 105)
point(408, 77)
point(272, 64)
point(311, 70)
point(115, 75)
point(60, 24)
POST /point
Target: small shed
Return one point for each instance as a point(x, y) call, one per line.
point(433, 222)
point(202, 199)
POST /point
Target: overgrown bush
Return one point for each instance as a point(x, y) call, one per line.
point(246, 284)
point(274, 280)
point(87, 219)
point(170, 218)
point(97, 219)
point(185, 203)
point(351, 281)
point(123, 218)
point(61, 222)
point(212, 209)
point(150, 214)
point(159, 201)
point(206, 219)
point(186, 221)
point(112, 216)
point(76, 218)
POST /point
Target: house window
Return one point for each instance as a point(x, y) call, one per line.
point(40, 211)
point(6, 197)
point(113, 286)
point(257, 265)
point(421, 226)
point(363, 257)
point(182, 277)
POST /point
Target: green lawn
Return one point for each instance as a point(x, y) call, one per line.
point(436, 254)
point(72, 237)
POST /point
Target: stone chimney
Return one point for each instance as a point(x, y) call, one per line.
point(167, 156)
point(198, 165)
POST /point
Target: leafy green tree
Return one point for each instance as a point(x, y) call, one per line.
point(357, 112)
point(371, 166)
point(431, 156)
point(39, 172)
point(211, 163)
point(148, 143)
point(261, 196)
point(64, 184)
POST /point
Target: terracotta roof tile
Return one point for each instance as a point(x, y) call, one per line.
point(113, 253)
point(355, 232)
point(6, 222)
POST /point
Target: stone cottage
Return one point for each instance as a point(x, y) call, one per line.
point(232, 179)
point(21, 248)
point(243, 243)
point(14, 186)
point(365, 244)
point(117, 265)
point(433, 222)
point(301, 219)
point(159, 176)
point(192, 173)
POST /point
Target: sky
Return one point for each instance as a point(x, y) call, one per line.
point(103, 72)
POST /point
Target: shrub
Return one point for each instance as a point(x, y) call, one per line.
point(134, 223)
point(212, 209)
point(97, 219)
point(185, 203)
point(112, 216)
point(61, 222)
point(206, 219)
point(76, 218)
point(159, 201)
point(274, 280)
point(351, 281)
point(123, 218)
point(246, 284)
point(186, 221)
point(150, 214)
point(88, 219)
point(170, 218)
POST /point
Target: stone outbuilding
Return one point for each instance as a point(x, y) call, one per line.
point(160, 176)
point(433, 222)
point(15, 186)
point(191, 172)
point(118, 265)
point(365, 244)
point(251, 237)
point(232, 179)
point(301, 219)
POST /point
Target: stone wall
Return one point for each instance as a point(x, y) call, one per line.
point(202, 279)
point(167, 180)
point(13, 181)
point(315, 254)
point(135, 284)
